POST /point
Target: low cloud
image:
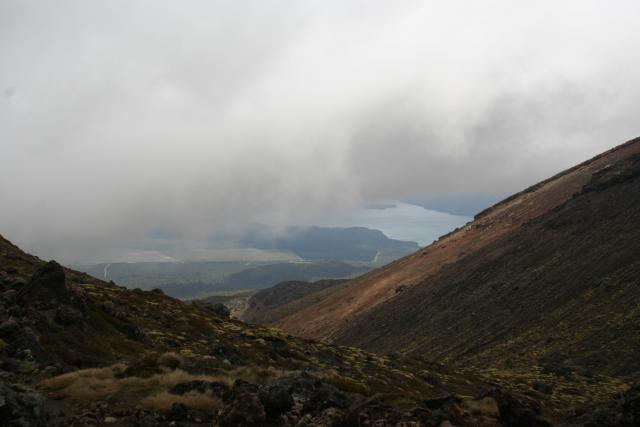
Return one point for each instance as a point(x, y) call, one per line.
point(117, 117)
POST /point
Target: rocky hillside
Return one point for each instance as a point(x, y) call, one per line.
point(75, 351)
point(340, 313)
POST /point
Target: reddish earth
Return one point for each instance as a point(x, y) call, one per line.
point(323, 314)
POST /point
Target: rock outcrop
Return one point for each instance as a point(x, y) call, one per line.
point(47, 285)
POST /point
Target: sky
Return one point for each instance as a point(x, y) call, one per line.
point(117, 117)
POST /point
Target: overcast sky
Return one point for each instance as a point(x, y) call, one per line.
point(120, 116)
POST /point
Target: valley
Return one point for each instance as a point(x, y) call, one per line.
point(527, 316)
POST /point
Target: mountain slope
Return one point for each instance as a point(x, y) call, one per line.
point(562, 290)
point(327, 313)
point(101, 354)
point(263, 306)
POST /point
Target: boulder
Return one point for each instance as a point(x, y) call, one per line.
point(517, 411)
point(48, 284)
point(485, 406)
point(245, 410)
point(132, 332)
point(8, 327)
point(25, 343)
point(66, 316)
point(108, 307)
point(178, 412)
point(220, 309)
point(276, 399)
point(622, 411)
point(9, 295)
point(324, 397)
point(21, 407)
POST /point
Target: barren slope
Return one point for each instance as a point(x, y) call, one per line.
point(323, 314)
point(563, 291)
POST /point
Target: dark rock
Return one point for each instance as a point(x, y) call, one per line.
point(619, 172)
point(244, 387)
point(515, 411)
point(10, 365)
point(220, 309)
point(8, 327)
point(79, 302)
point(276, 399)
point(429, 378)
point(25, 343)
point(543, 388)
point(224, 351)
point(441, 402)
point(50, 371)
point(324, 397)
point(47, 284)
point(145, 418)
point(132, 332)
point(245, 410)
point(66, 316)
point(108, 307)
point(21, 407)
point(178, 412)
point(559, 371)
point(10, 295)
point(157, 291)
point(376, 413)
point(16, 283)
point(623, 411)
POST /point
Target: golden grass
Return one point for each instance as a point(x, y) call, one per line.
point(91, 384)
point(152, 392)
point(256, 374)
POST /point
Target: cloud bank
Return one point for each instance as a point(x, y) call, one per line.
point(117, 117)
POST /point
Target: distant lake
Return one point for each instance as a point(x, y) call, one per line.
point(400, 221)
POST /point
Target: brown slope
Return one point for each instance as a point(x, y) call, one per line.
point(328, 312)
point(563, 290)
point(263, 305)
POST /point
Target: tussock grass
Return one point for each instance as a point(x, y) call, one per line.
point(152, 392)
point(256, 374)
point(90, 384)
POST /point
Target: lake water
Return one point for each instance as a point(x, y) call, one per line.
point(403, 221)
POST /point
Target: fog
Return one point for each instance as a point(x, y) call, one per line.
point(117, 117)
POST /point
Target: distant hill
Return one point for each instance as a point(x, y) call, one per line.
point(329, 243)
point(148, 275)
point(269, 275)
point(549, 277)
point(314, 253)
point(197, 279)
point(262, 306)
